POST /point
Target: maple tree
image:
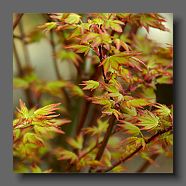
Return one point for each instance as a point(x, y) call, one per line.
point(109, 113)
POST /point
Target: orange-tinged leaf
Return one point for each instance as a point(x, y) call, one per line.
point(148, 121)
point(68, 155)
point(90, 85)
point(76, 143)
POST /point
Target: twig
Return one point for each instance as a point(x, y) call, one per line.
point(63, 91)
point(87, 104)
point(25, 48)
point(106, 138)
point(17, 60)
point(17, 19)
point(137, 150)
point(111, 121)
point(21, 74)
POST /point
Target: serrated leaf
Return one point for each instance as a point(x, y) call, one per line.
point(90, 85)
point(148, 121)
point(72, 18)
point(137, 102)
point(130, 128)
point(124, 58)
point(162, 110)
point(97, 130)
point(79, 48)
point(68, 155)
point(76, 143)
point(48, 26)
point(33, 138)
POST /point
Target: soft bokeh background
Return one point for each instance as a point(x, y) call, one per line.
point(41, 59)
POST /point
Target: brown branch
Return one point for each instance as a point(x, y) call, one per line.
point(111, 121)
point(54, 55)
point(17, 19)
point(25, 48)
point(83, 116)
point(106, 138)
point(21, 73)
point(63, 91)
point(147, 163)
point(137, 150)
point(87, 104)
point(17, 60)
point(102, 68)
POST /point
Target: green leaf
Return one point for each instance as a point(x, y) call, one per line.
point(76, 143)
point(79, 48)
point(55, 85)
point(110, 111)
point(68, 155)
point(163, 110)
point(90, 84)
point(114, 25)
point(97, 130)
point(48, 26)
point(76, 90)
point(148, 121)
point(47, 111)
point(32, 138)
point(112, 63)
point(72, 18)
point(97, 21)
point(20, 83)
point(137, 102)
point(164, 80)
point(36, 169)
point(130, 128)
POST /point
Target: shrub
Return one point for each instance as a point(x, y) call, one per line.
point(110, 110)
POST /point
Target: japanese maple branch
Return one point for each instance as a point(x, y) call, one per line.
point(17, 19)
point(111, 121)
point(21, 74)
point(137, 150)
point(87, 104)
point(106, 138)
point(63, 91)
point(25, 48)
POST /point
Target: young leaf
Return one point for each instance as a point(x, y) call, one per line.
point(97, 130)
point(137, 102)
point(79, 48)
point(148, 121)
point(68, 155)
point(32, 138)
point(91, 84)
point(130, 128)
point(76, 143)
point(72, 18)
point(162, 110)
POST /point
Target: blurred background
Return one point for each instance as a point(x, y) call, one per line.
point(40, 54)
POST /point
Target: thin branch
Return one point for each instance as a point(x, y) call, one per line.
point(87, 104)
point(137, 150)
point(147, 163)
point(101, 58)
point(17, 19)
point(18, 61)
point(106, 138)
point(25, 48)
point(54, 55)
point(21, 74)
point(63, 91)
point(111, 121)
